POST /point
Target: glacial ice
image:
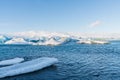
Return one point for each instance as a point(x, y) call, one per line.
point(26, 67)
point(92, 42)
point(2, 39)
point(11, 61)
point(52, 41)
point(16, 41)
point(50, 38)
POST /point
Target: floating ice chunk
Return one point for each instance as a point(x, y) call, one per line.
point(85, 42)
point(26, 67)
point(11, 61)
point(100, 42)
point(92, 42)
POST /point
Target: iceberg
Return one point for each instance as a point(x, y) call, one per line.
point(2, 39)
point(53, 38)
point(52, 41)
point(11, 61)
point(16, 41)
point(26, 67)
point(84, 42)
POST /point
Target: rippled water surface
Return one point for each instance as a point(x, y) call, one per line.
point(76, 61)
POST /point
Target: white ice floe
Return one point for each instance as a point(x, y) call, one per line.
point(92, 42)
point(99, 42)
point(11, 61)
point(26, 67)
point(86, 42)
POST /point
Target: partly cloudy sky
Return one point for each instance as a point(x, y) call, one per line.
point(60, 15)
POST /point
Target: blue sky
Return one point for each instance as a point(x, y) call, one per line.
point(86, 16)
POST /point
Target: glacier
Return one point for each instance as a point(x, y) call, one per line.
point(52, 41)
point(26, 67)
point(53, 38)
point(36, 38)
point(16, 41)
point(11, 61)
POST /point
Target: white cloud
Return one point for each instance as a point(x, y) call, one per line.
point(95, 24)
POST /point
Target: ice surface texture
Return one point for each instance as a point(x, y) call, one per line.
point(11, 61)
point(26, 67)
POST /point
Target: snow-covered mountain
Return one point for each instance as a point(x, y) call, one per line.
point(50, 38)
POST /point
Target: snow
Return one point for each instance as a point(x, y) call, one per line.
point(52, 42)
point(52, 38)
point(11, 61)
point(84, 42)
point(46, 41)
point(37, 38)
point(49, 42)
point(89, 41)
point(16, 41)
point(26, 67)
point(2, 37)
point(100, 42)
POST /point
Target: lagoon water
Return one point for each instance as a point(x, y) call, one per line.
point(76, 61)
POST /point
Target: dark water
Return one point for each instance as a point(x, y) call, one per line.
point(76, 61)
